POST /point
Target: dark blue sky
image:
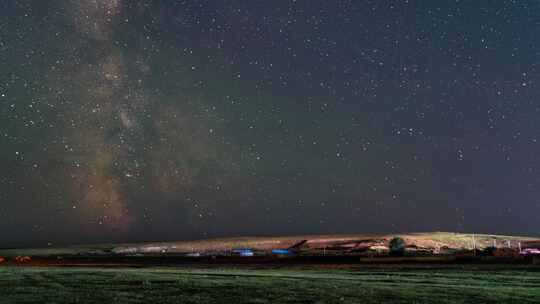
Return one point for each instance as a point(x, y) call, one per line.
point(158, 120)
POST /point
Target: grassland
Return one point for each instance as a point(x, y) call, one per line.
point(270, 285)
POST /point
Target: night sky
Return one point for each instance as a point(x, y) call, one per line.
point(131, 120)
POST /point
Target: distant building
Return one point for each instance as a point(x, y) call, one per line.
point(505, 252)
point(282, 252)
point(530, 251)
point(379, 249)
point(243, 252)
point(530, 248)
point(445, 250)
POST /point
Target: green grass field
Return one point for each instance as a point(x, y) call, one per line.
point(243, 285)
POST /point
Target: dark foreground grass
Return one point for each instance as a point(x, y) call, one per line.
point(241, 285)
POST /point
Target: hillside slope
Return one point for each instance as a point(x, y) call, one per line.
point(306, 243)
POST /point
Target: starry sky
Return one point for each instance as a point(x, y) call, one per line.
point(166, 120)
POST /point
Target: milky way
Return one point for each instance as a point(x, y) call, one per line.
point(158, 120)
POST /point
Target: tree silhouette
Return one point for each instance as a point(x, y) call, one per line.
point(397, 246)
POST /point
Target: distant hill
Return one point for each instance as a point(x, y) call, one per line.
point(304, 243)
